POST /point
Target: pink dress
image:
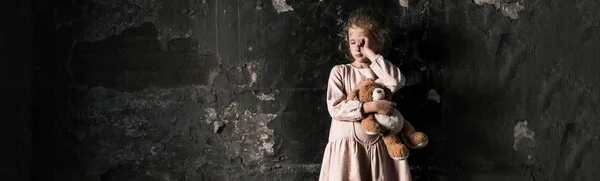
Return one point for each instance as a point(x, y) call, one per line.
point(351, 154)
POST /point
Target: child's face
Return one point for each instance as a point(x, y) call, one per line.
point(355, 38)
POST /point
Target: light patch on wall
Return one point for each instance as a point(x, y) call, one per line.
point(253, 68)
point(281, 6)
point(230, 113)
point(266, 97)
point(509, 8)
point(256, 139)
point(217, 125)
point(434, 96)
point(244, 76)
point(211, 115)
point(267, 143)
point(523, 135)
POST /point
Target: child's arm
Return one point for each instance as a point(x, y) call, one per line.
point(339, 108)
point(388, 73)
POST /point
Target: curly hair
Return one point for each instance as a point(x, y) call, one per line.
point(374, 23)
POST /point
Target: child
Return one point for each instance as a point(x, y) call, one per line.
point(351, 154)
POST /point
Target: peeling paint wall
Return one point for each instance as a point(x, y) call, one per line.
point(234, 90)
point(185, 90)
point(508, 8)
point(524, 139)
point(281, 6)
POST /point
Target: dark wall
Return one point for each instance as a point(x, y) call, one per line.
point(15, 75)
point(234, 90)
point(521, 97)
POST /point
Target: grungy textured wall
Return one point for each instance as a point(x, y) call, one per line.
point(522, 94)
point(234, 90)
point(184, 90)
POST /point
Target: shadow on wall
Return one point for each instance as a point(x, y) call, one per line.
point(421, 51)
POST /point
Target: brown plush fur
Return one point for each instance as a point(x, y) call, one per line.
point(413, 138)
point(397, 150)
point(364, 94)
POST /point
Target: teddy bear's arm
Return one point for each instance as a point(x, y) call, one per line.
point(352, 95)
point(388, 74)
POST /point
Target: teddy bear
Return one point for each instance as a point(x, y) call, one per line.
point(387, 125)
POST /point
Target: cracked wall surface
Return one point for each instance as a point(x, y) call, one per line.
point(508, 8)
point(234, 90)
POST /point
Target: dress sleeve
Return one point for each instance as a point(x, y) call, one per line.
point(388, 74)
point(339, 108)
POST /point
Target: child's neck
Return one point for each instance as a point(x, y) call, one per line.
point(361, 64)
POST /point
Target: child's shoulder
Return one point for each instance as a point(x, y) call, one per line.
point(341, 67)
point(341, 70)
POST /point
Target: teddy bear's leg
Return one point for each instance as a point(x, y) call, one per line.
point(412, 138)
point(396, 149)
point(369, 125)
